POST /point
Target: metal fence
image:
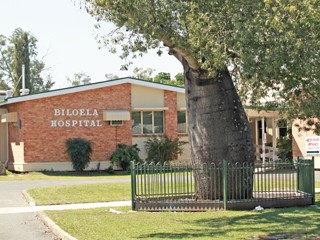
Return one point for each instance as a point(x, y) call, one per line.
point(223, 186)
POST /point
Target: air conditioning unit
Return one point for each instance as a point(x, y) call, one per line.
point(116, 123)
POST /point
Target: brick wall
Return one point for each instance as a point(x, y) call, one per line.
point(171, 123)
point(296, 152)
point(44, 143)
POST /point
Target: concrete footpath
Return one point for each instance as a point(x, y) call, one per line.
point(32, 209)
point(20, 221)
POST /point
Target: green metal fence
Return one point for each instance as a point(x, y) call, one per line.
point(223, 186)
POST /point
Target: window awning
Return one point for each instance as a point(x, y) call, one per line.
point(116, 115)
point(9, 117)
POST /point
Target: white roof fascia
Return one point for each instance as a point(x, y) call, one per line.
point(92, 86)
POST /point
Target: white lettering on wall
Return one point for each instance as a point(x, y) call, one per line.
point(66, 118)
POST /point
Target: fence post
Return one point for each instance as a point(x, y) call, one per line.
point(133, 184)
point(313, 182)
point(225, 176)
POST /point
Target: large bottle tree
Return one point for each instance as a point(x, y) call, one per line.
point(255, 49)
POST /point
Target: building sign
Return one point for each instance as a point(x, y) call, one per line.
point(313, 145)
point(75, 118)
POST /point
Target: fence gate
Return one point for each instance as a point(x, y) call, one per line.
point(306, 177)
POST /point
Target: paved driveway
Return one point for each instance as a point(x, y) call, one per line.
point(27, 226)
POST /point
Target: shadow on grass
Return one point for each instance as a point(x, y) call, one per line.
point(85, 173)
point(245, 224)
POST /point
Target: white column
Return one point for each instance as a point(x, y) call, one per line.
point(274, 138)
point(263, 141)
point(256, 137)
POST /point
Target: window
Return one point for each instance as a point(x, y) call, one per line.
point(283, 130)
point(260, 128)
point(136, 123)
point(182, 122)
point(150, 122)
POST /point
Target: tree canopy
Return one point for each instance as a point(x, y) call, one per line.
point(267, 52)
point(271, 47)
point(20, 49)
point(76, 79)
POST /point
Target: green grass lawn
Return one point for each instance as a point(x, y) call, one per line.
point(102, 192)
point(99, 224)
point(59, 175)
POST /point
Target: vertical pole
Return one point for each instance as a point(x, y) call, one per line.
point(313, 182)
point(23, 80)
point(274, 138)
point(263, 141)
point(224, 176)
point(257, 138)
point(133, 184)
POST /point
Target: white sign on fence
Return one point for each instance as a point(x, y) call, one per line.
point(313, 145)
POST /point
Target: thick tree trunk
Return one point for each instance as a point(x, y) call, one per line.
point(218, 130)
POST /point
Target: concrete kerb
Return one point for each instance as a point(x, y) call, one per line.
point(56, 230)
point(28, 198)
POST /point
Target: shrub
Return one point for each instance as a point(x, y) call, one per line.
point(124, 155)
point(285, 147)
point(79, 151)
point(163, 149)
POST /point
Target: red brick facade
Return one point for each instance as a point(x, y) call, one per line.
point(170, 118)
point(296, 152)
point(44, 140)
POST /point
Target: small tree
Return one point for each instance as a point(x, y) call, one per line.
point(163, 150)
point(79, 151)
point(124, 155)
point(285, 147)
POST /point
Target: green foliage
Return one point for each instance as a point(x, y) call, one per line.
point(39, 83)
point(4, 85)
point(161, 77)
point(79, 151)
point(285, 147)
point(18, 49)
point(124, 155)
point(76, 79)
point(110, 76)
point(163, 149)
point(179, 77)
point(144, 74)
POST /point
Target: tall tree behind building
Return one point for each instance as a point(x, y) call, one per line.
point(17, 50)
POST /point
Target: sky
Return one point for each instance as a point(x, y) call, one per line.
point(66, 40)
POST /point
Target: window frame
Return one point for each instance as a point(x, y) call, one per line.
point(152, 123)
point(186, 122)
